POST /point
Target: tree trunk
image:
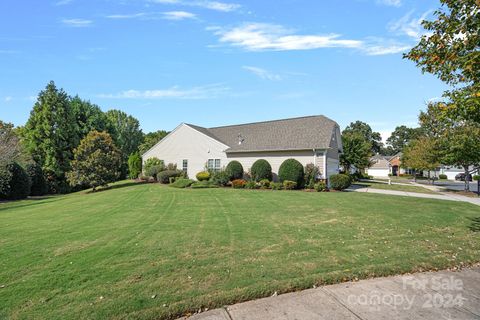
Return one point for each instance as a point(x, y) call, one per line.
point(414, 175)
point(467, 182)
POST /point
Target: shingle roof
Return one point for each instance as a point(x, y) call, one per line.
point(305, 133)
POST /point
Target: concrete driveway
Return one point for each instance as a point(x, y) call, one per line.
point(453, 185)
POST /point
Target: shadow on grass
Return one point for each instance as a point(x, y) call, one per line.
point(15, 204)
point(475, 226)
point(115, 186)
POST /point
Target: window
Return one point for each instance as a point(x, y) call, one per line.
point(214, 164)
point(185, 165)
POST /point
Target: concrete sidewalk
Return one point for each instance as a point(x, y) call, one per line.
point(434, 295)
point(440, 196)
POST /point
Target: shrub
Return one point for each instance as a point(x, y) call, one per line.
point(261, 169)
point(153, 167)
point(171, 167)
point(203, 185)
point(443, 176)
point(14, 182)
point(220, 178)
point(340, 181)
point(164, 176)
point(276, 186)
point(251, 185)
point(134, 165)
point(182, 183)
point(234, 170)
point(476, 178)
point(264, 184)
point(292, 170)
point(38, 183)
point(289, 185)
point(239, 183)
point(312, 173)
point(320, 186)
point(203, 176)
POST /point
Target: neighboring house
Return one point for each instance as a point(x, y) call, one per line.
point(314, 139)
point(449, 171)
point(383, 166)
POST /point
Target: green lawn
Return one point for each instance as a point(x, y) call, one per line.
point(105, 255)
point(394, 187)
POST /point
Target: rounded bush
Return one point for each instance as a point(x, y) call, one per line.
point(14, 182)
point(443, 176)
point(261, 169)
point(264, 184)
point(239, 183)
point(234, 170)
point(164, 176)
point(220, 178)
point(251, 185)
point(39, 184)
point(320, 186)
point(276, 186)
point(203, 176)
point(292, 170)
point(289, 185)
point(340, 182)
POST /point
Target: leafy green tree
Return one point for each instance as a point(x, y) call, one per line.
point(96, 161)
point(14, 181)
point(451, 51)
point(356, 151)
point(134, 165)
point(126, 134)
point(11, 148)
point(401, 137)
point(88, 117)
point(374, 138)
point(151, 139)
point(422, 154)
point(51, 134)
point(39, 185)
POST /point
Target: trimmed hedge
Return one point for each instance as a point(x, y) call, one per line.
point(164, 176)
point(14, 182)
point(443, 176)
point(234, 170)
point(292, 170)
point(38, 183)
point(203, 185)
point(261, 169)
point(203, 176)
point(340, 182)
point(182, 183)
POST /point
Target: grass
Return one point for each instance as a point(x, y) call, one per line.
point(106, 254)
point(394, 187)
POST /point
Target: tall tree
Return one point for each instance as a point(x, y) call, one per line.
point(151, 139)
point(400, 138)
point(451, 51)
point(126, 133)
point(51, 134)
point(366, 131)
point(88, 117)
point(422, 154)
point(96, 163)
point(356, 151)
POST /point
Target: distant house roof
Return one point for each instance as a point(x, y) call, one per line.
point(383, 162)
point(305, 133)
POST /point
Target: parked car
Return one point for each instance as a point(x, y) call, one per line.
point(461, 177)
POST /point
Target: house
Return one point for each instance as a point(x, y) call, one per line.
point(313, 139)
point(383, 166)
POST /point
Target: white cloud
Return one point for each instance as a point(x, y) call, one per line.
point(379, 50)
point(410, 26)
point(77, 23)
point(63, 2)
point(126, 16)
point(262, 73)
point(8, 99)
point(178, 15)
point(393, 3)
point(212, 5)
point(200, 92)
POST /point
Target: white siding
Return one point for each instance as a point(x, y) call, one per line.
point(186, 143)
point(274, 158)
point(332, 166)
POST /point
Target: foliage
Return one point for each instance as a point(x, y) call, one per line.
point(220, 178)
point(276, 186)
point(164, 176)
point(203, 185)
point(364, 129)
point(422, 154)
point(153, 166)
point(260, 170)
point(203, 176)
point(234, 170)
point(182, 183)
point(251, 185)
point(96, 161)
point(476, 178)
point(150, 139)
point(442, 176)
point(126, 134)
point(290, 185)
point(38, 184)
point(171, 166)
point(292, 170)
point(239, 184)
point(11, 148)
point(340, 182)
point(51, 134)
point(134, 165)
point(88, 117)
point(312, 173)
point(14, 182)
point(321, 186)
point(356, 151)
point(401, 137)
point(264, 184)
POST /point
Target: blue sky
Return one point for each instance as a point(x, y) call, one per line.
point(219, 62)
